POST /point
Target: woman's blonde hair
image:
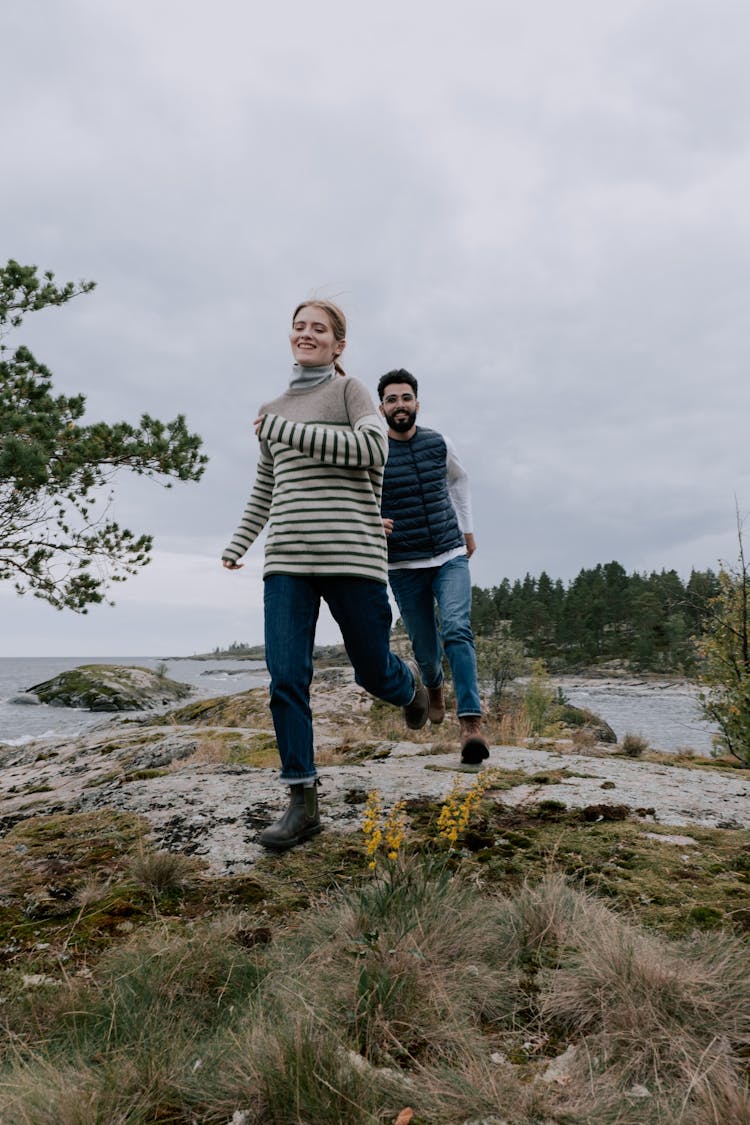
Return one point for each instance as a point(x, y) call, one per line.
point(336, 317)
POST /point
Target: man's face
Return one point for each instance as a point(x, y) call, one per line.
point(399, 407)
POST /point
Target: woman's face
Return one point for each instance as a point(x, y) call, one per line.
point(312, 339)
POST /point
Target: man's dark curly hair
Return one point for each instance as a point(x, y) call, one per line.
point(397, 376)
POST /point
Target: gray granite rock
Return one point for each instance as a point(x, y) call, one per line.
point(110, 687)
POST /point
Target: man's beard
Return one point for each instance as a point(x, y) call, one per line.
point(403, 423)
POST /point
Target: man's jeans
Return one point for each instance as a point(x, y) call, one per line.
point(362, 611)
point(417, 593)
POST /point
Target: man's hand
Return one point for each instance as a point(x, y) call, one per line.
point(471, 544)
point(387, 527)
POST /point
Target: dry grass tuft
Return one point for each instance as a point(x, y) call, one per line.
point(512, 727)
point(634, 745)
point(91, 891)
point(671, 1017)
point(161, 872)
point(249, 747)
point(583, 739)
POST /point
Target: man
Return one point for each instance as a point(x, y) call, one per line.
point(426, 510)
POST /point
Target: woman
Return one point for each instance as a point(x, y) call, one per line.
point(318, 486)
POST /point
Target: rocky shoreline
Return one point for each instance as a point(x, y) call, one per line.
point(204, 777)
point(108, 687)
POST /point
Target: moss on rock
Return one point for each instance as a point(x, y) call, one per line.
point(223, 711)
point(110, 687)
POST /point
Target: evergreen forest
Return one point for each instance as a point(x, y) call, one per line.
point(650, 622)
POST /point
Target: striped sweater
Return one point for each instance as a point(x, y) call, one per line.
point(318, 484)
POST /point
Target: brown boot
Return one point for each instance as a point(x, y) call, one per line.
point(300, 821)
point(436, 714)
point(474, 748)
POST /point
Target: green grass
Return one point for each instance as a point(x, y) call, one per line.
point(135, 988)
point(411, 987)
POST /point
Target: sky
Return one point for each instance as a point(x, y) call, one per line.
point(539, 209)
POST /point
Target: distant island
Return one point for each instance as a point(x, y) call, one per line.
point(322, 654)
point(235, 651)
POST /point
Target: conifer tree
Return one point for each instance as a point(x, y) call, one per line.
point(56, 541)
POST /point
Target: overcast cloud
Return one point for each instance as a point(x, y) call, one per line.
point(541, 210)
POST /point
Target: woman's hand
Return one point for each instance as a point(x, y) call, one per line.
point(258, 423)
point(230, 565)
point(387, 527)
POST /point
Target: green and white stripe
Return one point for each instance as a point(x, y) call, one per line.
point(318, 485)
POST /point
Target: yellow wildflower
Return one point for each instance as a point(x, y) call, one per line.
point(458, 807)
point(382, 833)
point(394, 829)
point(371, 827)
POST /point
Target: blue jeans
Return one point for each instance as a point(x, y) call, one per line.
point(362, 611)
point(448, 587)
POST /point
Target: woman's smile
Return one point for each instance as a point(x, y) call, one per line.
point(312, 339)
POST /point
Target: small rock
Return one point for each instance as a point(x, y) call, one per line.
point(36, 980)
point(680, 841)
point(559, 1069)
point(639, 1092)
point(332, 675)
point(487, 1121)
point(357, 1062)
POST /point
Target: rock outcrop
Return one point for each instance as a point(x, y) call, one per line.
point(205, 776)
point(110, 687)
point(580, 718)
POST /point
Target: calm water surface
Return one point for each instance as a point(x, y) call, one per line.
point(666, 714)
point(22, 722)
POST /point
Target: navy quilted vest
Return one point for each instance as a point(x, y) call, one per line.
point(415, 497)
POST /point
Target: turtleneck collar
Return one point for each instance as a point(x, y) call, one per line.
point(305, 377)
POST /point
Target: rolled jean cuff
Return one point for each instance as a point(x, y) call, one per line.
point(308, 780)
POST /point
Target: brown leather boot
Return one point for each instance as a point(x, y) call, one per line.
point(474, 748)
point(300, 821)
point(436, 714)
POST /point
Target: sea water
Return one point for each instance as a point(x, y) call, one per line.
point(665, 713)
point(22, 722)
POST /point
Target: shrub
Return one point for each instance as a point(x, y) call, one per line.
point(634, 745)
point(500, 659)
point(539, 699)
point(724, 649)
